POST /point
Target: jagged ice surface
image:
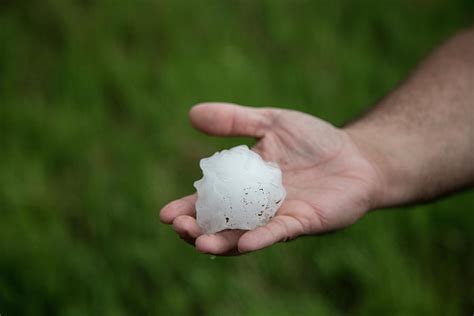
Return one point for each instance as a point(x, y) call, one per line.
point(238, 190)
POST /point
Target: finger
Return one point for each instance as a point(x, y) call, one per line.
point(221, 243)
point(187, 228)
point(225, 119)
point(280, 228)
point(183, 206)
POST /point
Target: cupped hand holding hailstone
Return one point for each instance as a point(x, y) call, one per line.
point(328, 180)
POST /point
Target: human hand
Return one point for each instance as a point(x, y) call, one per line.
point(330, 183)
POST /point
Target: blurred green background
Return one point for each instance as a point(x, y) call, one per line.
point(95, 139)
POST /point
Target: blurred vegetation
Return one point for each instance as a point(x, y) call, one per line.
point(94, 139)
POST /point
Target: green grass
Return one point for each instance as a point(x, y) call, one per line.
point(95, 139)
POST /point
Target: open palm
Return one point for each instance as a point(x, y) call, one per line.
point(330, 184)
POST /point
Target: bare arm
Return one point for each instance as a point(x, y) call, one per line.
point(415, 145)
point(421, 136)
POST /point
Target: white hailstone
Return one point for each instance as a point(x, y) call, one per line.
point(238, 190)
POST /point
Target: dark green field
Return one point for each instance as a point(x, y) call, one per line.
point(94, 140)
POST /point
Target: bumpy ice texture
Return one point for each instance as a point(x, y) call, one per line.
point(238, 190)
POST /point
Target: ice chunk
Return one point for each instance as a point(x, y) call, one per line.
point(238, 190)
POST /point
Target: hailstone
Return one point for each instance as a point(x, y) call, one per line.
point(238, 190)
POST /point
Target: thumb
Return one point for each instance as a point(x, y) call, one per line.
point(225, 119)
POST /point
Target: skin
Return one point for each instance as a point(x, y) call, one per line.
point(415, 145)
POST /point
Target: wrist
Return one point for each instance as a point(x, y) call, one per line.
point(391, 181)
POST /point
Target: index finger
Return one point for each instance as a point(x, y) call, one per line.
point(183, 206)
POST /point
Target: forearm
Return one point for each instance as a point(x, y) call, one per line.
point(420, 138)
